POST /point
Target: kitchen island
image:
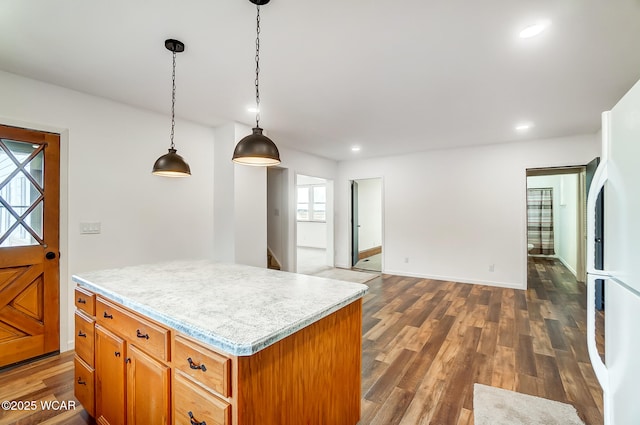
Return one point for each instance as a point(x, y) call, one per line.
point(199, 342)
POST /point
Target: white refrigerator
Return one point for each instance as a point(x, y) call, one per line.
point(619, 174)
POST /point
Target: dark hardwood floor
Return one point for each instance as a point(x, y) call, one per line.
point(425, 344)
point(37, 384)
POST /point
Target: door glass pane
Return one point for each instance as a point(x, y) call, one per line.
point(18, 193)
point(18, 237)
point(36, 168)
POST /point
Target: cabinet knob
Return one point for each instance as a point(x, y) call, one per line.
point(141, 335)
point(194, 421)
point(81, 382)
point(192, 365)
point(117, 354)
point(107, 316)
point(82, 334)
point(82, 301)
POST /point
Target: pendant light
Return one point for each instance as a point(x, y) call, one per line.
point(171, 164)
point(257, 149)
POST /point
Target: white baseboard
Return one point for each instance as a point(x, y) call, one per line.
point(571, 269)
point(510, 285)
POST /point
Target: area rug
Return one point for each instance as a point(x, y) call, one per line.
point(348, 275)
point(496, 406)
point(373, 263)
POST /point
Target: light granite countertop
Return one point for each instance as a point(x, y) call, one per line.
point(234, 308)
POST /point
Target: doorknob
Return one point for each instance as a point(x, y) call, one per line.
point(50, 255)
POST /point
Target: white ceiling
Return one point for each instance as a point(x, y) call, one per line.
point(391, 76)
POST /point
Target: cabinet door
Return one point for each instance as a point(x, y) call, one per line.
point(110, 377)
point(148, 390)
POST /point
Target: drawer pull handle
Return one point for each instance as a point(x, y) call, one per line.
point(82, 334)
point(82, 301)
point(192, 365)
point(141, 335)
point(117, 354)
point(81, 382)
point(107, 316)
point(194, 422)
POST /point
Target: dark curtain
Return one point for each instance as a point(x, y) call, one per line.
point(540, 221)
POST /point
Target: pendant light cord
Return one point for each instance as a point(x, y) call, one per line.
point(257, 82)
point(173, 100)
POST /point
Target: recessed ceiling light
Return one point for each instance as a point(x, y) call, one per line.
point(535, 29)
point(355, 148)
point(523, 126)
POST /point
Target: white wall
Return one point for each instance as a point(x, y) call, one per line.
point(108, 150)
point(453, 213)
point(369, 213)
point(312, 234)
point(565, 215)
point(568, 249)
point(250, 214)
point(224, 194)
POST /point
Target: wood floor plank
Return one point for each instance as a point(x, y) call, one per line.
point(525, 361)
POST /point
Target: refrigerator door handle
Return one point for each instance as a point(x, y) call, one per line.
point(599, 179)
point(599, 367)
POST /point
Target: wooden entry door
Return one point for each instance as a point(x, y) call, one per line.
point(29, 244)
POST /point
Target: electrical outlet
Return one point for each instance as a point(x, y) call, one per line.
point(492, 267)
point(406, 259)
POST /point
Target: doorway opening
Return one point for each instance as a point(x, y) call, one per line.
point(314, 224)
point(556, 217)
point(366, 224)
point(278, 252)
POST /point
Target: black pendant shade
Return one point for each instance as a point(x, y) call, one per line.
point(256, 149)
point(171, 165)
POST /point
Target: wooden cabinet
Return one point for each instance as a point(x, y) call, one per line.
point(148, 389)
point(120, 374)
point(110, 377)
point(202, 382)
point(132, 370)
point(84, 379)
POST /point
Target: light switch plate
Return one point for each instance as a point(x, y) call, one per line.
point(90, 228)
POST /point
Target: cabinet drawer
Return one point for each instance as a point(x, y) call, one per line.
point(194, 404)
point(150, 337)
point(84, 339)
point(209, 368)
point(83, 385)
point(85, 301)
